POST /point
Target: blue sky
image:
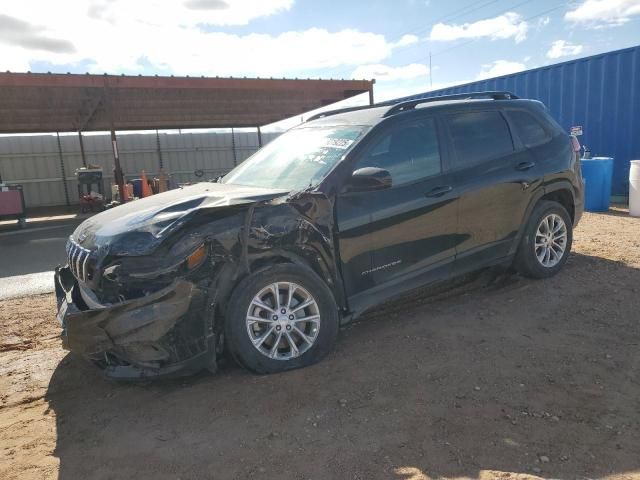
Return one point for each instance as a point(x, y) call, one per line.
point(388, 40)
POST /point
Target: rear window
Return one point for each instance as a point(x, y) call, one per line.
point(529, 129)
point(479, 136)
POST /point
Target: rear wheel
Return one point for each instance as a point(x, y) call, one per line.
point(546, 242)
point(280, 318)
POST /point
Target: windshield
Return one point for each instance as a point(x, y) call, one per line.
point(297, 159)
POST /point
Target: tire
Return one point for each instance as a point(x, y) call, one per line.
point(243, 333)
point(527, 261)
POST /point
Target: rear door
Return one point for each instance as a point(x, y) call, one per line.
point(406, 230)
point(532, 136)
point(489, 175)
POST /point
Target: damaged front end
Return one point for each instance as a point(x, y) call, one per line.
point(146, 284)
point(163, 333)
point(139, 294)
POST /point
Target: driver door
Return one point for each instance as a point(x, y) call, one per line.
point(394, 239)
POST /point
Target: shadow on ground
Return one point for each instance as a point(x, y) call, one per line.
point(503, 374)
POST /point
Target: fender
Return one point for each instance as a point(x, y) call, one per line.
point(300, 231)
point(536, 196)
point(560, 184)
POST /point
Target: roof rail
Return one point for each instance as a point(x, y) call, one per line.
point(329, 113)
point(411, 104)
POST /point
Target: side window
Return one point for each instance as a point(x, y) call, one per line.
point(528, 127)
point(479, 136)
point(409, 152)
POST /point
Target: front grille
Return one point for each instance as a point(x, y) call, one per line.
point(78, 258)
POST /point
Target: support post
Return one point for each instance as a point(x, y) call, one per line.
point(117, 170)
point(84, 158)
point(371, 92)
point(62, 170)
point(159, 150)
point(259, 138)
point(233, 148)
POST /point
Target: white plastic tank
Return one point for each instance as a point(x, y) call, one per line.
point(634, 188)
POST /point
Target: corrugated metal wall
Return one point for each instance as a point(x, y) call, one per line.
point(601, 93)
point(35, 161)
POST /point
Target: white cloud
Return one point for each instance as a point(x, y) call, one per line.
point(183, 12)
point(543, 22)
point(116, 36)
point(406, 40)
point(562, 48)
point(499, 68)
point(507, 25)
point(12, 60)
point(384, 72)
point(603, 13)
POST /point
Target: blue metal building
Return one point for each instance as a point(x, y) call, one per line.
point(600, 93)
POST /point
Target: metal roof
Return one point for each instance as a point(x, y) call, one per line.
point(35, 102)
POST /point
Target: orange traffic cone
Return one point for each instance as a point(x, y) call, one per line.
point(146, 189)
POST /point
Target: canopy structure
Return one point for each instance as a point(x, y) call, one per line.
point(45, 102)
point(34, 102)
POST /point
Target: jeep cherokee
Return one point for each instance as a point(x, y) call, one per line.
point(346, 211)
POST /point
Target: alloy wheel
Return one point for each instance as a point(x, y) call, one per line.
point(551, 240)
point(283, 321)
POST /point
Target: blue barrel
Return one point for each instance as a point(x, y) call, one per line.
point(597, 173)
point(137, 187)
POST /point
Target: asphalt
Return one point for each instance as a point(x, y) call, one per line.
point(28, 256)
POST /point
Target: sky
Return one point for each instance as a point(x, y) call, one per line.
point(389, 40)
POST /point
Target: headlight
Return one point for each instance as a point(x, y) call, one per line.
point(197, 258)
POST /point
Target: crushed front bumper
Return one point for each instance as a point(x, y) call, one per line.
point(164, 333)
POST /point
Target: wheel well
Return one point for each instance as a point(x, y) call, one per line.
point(564, 198)
point(255, 264)
point(261, 262)
point(316, 265)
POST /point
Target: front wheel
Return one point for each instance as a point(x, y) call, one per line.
point(546, 242)
point(280, 318)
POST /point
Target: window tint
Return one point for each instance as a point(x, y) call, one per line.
point(479, 136)
point(409, 152)
point(529, 129)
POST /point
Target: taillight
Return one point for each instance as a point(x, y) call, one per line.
point(575, 143)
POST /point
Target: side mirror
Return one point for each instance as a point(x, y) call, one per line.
point(368, 179)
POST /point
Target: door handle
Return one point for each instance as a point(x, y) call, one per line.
point(525, 166)
point(439, 191)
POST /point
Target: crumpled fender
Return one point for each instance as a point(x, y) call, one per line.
point(298, 227)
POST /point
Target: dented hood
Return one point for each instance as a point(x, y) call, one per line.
point(138, 227)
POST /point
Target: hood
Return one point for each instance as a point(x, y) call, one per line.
point(145, 223)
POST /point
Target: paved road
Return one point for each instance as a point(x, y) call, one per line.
point(28, 257)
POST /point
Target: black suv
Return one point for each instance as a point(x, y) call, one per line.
point(334, 217)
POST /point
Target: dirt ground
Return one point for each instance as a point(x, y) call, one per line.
point(501, 377)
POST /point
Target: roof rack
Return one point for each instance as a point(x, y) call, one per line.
point(329, 113)
point(411, 104)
